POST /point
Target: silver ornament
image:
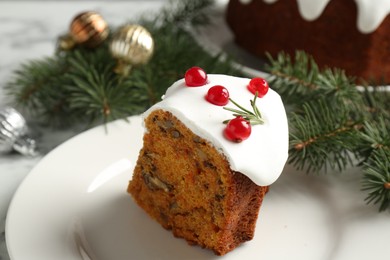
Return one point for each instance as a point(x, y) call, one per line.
point(13, 133)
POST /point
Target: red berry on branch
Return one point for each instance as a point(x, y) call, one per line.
point(258, 85)
point(237, 129)
point(218, 95)
point(195, 77)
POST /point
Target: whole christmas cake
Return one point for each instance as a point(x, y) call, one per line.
point(353, 35)
point(204, 178)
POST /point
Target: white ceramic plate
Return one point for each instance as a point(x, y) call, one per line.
point(303, 216)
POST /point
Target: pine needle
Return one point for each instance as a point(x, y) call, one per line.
point(80, 85)
point(333, 124)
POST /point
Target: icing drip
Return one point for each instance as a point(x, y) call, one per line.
point(311, 9)
point(371, 13)
point(263, 155)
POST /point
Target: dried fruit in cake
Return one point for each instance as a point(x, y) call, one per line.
point(194, 181)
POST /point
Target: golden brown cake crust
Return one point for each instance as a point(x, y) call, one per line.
point(333, 39)
point(185, 184)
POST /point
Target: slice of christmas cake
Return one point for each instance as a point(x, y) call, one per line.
point(211, 148)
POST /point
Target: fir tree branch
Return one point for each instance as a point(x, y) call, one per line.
point(299, 80)
point(331, 120)
point(376, 178)
point(376, 102)
point(374, 135)
point(293, 78)
point(321, 136)
point(374, 148)
point(80, 85)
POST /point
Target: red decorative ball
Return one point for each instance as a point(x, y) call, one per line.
point(258, 85)
point(195, 77)
point(218, 95)
point(238, 129)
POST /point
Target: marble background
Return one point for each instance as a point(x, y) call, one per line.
point(28, 31)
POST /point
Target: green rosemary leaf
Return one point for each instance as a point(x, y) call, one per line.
point(255, 108)
point(240, 107)
point(254, 118)
point(239, 112)
point(332, 124)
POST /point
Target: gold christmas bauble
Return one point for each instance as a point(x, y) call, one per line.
point(88, 29)
point(132, 45)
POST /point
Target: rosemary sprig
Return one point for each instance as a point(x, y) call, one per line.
point(254, 117)
point(331, 123)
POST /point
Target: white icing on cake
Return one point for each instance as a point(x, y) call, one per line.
point(371, 13)
point(263, 155)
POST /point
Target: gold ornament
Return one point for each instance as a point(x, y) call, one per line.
point(88, 29)
point(132, 45)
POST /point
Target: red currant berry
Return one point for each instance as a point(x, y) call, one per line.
point(218, 95)
point(195, 77)
point(258, 85)
point(238, 129)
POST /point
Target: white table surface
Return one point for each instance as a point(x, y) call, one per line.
point(28, 31)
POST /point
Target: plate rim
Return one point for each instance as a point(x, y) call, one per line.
point(35, 170)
